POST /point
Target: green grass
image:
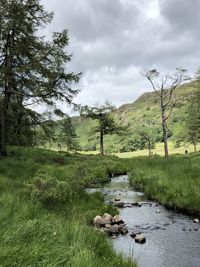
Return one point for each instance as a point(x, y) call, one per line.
point(174, 182)
point(57, 230)
point(159, 150)
point(60, 234)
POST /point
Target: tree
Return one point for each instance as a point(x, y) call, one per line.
point(23, 123)
point(147, 136)
point(41, 138)
point(193, 118)
point(106, 124)
point(49, 128)
point(68, 134)
point(32, 69)
point(165, 86)
point(179, 135)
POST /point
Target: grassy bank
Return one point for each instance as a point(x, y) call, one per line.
point(45, 212)
point(175, 182)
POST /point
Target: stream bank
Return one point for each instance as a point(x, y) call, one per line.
point(172, 239)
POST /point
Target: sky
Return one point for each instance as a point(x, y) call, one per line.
point(113, 41)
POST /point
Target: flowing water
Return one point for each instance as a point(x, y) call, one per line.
point(172, 239)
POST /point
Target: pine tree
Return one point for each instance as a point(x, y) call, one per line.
point(68, 135)
point(106, 124)
point(32, 69)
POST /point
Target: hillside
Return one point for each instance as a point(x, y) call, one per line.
point(141, 114)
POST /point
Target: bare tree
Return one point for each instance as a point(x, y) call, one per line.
point(164, 85)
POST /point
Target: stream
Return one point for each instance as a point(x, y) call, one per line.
point(172, 239)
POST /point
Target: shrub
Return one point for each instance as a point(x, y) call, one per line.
point(47, 190)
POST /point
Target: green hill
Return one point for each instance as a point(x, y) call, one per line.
point(141, 114)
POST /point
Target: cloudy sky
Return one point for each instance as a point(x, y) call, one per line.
point(112, 41)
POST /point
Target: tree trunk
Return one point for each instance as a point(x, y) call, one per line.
point(3, 151)
point(5, 106)
point(149, 147)
point(18, 129)
point(165, 133)
point(195, 147)
point(8, 81)
point(19, 119)
point(101, 144)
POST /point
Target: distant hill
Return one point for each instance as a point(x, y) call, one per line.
point(145, 111)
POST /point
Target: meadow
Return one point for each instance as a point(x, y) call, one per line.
point(158, 150)
point(45, 213)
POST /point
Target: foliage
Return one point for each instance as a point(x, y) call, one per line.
point(31, 234)
point(32, 69)
point(106, 124)
point(48, 190)
point(23, 124)
point(68, 135)
point(192, 134)
point(131, 116)
point(147, 137)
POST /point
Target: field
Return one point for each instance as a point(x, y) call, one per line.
point(158, 150)
point(45, 212)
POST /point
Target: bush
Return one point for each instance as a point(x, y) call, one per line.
point(47, 190)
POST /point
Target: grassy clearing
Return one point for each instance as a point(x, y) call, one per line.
point(55, 231)
point(175, 182)
point(158, 150)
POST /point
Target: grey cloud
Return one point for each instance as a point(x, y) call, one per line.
point(181, 14)
point(91, 20)
point(113, 40)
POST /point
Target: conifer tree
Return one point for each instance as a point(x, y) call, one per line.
point(106, 124)
point(68, 135)
point(32, 69)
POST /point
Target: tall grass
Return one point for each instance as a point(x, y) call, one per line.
point(33, 234)
point(45, 225)
point(175, 182)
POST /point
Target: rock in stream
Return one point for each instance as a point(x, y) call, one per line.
point(110, 225)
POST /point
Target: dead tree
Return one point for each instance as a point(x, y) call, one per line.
point(164, 86)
